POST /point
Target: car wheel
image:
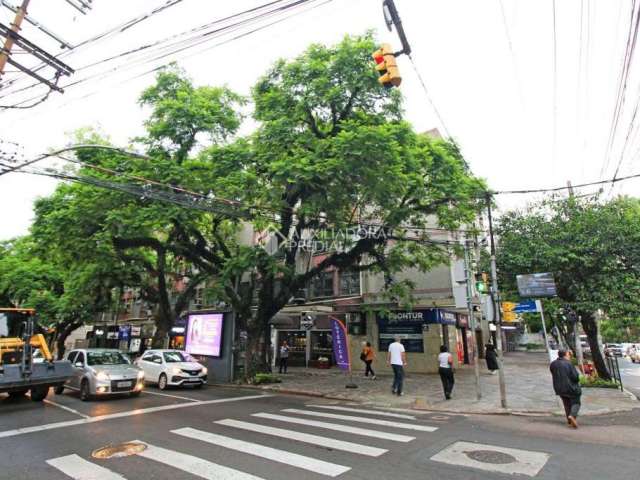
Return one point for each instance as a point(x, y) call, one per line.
point(18, 393)
point(162, 382)
point(59, 390)
point(38, 394)
point(85, 394)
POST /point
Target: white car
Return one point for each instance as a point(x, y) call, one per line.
point(172, 368)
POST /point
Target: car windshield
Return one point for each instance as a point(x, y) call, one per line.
point(172, 357)
point(106, 358)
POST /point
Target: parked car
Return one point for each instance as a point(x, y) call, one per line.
point(100, 372)
point(172, 368)
point(614, 349)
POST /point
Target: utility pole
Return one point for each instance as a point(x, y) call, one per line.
point(468, 276)
point(495, 297)
point(9, 41)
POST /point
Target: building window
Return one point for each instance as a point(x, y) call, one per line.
point(356, 323)
point(322, 285)
point(349, 283)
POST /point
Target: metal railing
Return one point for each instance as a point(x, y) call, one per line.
point(614, 369)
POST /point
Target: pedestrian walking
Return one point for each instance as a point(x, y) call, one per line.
point(445, 369)
point(368, 356)
point(284, 356)
point(397, 359)
point(491, 356)
point(566, 384)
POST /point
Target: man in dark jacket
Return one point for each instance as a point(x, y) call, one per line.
point(566, 383)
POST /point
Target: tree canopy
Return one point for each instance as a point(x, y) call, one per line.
point(330, 152)
point(591, 247)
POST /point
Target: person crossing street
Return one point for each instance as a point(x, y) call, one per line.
point(566, 384)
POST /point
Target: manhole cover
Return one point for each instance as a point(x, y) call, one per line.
point(121, 450)
point(490, 456)
point(439, 417)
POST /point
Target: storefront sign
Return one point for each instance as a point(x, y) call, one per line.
point(135, 331)
point(204, 334)
point(409, 326)
point(340, 344)
point(112, 335)
point(306, 322)
point(124, 332)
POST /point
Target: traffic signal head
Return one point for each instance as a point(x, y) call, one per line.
point(387, 67)
point(482, 283)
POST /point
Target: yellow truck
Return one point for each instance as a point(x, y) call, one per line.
point(19, 373)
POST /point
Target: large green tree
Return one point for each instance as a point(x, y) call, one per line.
point(592, 248)
point(330, 152)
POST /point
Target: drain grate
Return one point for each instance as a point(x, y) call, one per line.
point(490, 456)
point(120, 450)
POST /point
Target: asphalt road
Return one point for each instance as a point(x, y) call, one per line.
point(630, 373)
point(226, 433)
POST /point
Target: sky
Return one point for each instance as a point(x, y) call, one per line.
point(523, 116)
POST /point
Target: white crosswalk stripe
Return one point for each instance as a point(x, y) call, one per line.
point(366, 432)
point(305, 438)
point(78, 468)
point(194, 465)
point(371, 421)
point(359, 410)
point(300, 461)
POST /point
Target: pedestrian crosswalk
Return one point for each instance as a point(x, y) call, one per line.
point(223, 435)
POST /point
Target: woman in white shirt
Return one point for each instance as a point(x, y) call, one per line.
point(445, 369)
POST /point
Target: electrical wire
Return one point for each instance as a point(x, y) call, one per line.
point(163, 46)
point(512, 52)
point(554, 152)
point(428, 95)
point(106, 34)
point(201, 39)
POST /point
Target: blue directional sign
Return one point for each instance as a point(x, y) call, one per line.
point(528, 306)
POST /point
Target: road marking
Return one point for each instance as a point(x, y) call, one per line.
point(359, 410)
point(71, 410)
point(80, 469)
point(371, 421)
point(194, 465)
point(325, 442)
point(111, 416)
point(524, 462)
point(171, 396)
point(366, 432)
point(282, 456)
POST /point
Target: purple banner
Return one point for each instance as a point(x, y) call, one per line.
point(204, 334)
point(340, 344)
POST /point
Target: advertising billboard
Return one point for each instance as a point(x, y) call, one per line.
point(204, 334)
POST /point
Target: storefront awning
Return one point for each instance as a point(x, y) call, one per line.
point(284, 321)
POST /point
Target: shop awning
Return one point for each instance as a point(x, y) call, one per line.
point(284, 321)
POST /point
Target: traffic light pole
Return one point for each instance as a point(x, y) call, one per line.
point(495, 297)
point(392, 17)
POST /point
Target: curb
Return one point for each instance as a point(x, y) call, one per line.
point(426, 408)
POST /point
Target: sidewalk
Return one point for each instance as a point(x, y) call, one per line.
point(529, 390)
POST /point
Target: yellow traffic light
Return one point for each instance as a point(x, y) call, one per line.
point(387, 67)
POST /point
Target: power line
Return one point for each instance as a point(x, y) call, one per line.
point(426, 92)
point(203, 38)
point(555, 88)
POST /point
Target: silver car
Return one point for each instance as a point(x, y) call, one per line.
point(101, 371)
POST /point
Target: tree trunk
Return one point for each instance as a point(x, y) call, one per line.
point(591, 329)
point(163, 326)
point(253, 355)
point(62, 336)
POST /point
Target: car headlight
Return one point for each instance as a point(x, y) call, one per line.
point(204, 370)
point(176, 370)
point(140, 375)
point(102, 375)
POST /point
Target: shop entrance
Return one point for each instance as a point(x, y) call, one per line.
point(307, 348)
